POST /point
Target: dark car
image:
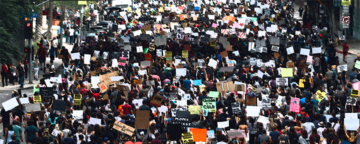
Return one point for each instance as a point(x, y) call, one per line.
point(98, 29)
point(104, 24)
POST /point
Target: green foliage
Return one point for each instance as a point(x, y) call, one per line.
point(10, 22)
point(68, 4)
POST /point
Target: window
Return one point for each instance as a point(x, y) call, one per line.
point(337, 3)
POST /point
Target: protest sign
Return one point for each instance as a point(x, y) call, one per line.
point(211, 134)
point(103, 87)
point(199, 134)
point(351, 124)
point(194, 109)
point(236, 109)
point(187, 138)
point(357, 64)
point(184, 121)
point(286, 72)
point(174, 111)
point(77, 99)
point(266, 103)
point(251, 101)
point(214, 94)
point(295, 105)
point(10, 104)
point(209, 104)
point(282, 81)
point(59, 105)
point(354, 94)
point(24, 100)
point(121, 127)
point(320, 95)
point(253, 111)
point(236, 134)
point(223, 124)
point(33, 107)
point(46, 93)
point(37, 98)
point(174, 132)
point(341, 68)
point(156, 100)
point(142, 119)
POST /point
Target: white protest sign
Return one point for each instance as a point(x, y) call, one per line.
point(10, 104)
point(304, 51)
point(87, 58)
point(290, 50)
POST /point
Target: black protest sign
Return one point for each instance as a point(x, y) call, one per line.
point(46, 93)
point(174, 111)
point(173, 131)
point(183, 114)
point(184, 121)
point(236, 108)
point(59, 105)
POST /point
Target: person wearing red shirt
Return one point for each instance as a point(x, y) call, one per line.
point(83, 90)
point(4, 70)
point(345, 51)
point(126, 108)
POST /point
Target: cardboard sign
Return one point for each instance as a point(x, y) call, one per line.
point(123, 128)
point(33, 107)
point(251, 101)
point(157, 100)
point(103, 87)
point(106, 78)
point(142, 119)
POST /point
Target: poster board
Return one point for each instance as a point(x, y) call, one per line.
point(142, 119)
point(121, 127)
point(156, 100)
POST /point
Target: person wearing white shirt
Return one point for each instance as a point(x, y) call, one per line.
point(71, 31)
point(321, 129)
point(308, 126)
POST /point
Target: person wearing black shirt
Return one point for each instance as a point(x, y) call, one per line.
point(5, 119)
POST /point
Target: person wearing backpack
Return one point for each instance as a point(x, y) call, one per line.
point(76, 35)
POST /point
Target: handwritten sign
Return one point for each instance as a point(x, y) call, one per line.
point(287, 72)
point(123, 128)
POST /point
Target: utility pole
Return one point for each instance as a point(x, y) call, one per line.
point(30, 56)
point(81, 23)
point(61, 23)
point(50, 19)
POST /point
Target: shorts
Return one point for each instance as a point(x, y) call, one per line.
point(6, 124)
point(42, 60)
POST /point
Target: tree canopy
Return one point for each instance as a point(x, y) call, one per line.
point(11, 13)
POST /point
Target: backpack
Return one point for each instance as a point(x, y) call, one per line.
point(273, 83)
point(47, 71)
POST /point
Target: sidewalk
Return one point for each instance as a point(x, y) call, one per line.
point(57, 63)
point(353, 46)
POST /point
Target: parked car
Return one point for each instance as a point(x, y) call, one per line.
point(104, 24)
point(98, 29)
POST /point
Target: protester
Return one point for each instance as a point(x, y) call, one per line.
point(234, 72)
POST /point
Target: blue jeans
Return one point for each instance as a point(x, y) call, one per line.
point(68, 39)
point(21, 81)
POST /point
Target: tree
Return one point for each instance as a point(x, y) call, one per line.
point(11, 21)
point(50, 19)
point(38, 26)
